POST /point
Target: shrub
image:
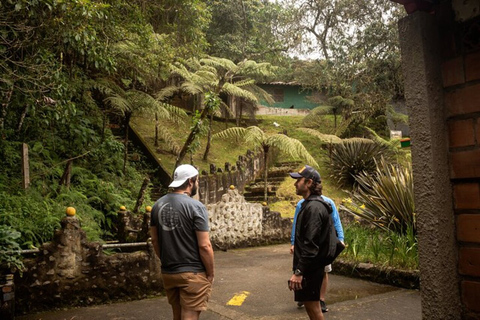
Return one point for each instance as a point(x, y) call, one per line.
point(385, 199)
point(353, 157)
point(10, 251)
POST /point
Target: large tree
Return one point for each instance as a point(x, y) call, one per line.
point(250, 29)
point(358, 58)
point(212, 75)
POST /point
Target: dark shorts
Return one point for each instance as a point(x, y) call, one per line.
point(311, 290)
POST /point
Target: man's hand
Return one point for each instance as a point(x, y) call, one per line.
point(291, 249)
point(295, 283)
point(210, 279)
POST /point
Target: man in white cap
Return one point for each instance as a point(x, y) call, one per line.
point(179, 230)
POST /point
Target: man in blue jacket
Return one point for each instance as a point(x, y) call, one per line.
point(338, 227)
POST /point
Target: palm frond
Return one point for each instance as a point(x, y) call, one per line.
point(191, 88)
point(118, 103)
point(260, 93)
point(234, 132)
point(244, 82)
point(217, 62)
point(175, 112)
point(233, 90)
point(292, 147)
point(165, 135)
point(167, 92)
point(327, 138)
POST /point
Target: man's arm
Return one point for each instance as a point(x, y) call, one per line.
point(155, 242)
point(206, 253)
point(337, 222)
point(292, 235)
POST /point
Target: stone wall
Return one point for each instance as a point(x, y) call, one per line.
point(70, 271)
point(236, 223)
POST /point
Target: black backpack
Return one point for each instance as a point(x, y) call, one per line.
point(335, 246)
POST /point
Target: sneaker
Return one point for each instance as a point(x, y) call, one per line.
point(324, 306)
point(300, 304)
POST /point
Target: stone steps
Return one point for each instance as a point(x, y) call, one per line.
point(254, 192)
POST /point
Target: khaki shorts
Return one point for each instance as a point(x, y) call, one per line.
point(190, 290)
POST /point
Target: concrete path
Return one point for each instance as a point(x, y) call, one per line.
point(258, 277)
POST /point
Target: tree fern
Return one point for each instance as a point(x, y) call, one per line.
point(255, 137)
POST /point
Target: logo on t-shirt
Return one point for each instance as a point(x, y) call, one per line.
point(169, 219)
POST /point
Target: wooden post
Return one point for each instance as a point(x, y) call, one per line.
point(141, 194)
point(25, 166)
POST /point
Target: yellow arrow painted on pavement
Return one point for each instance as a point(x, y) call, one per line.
point(238, 299)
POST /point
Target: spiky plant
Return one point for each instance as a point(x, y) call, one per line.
point(352, 157)
point(255, 137)
point(385, 198)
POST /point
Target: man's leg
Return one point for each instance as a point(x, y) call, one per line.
point(323, 291)
point(190, 314)
point(313, 310)
point(177, 312)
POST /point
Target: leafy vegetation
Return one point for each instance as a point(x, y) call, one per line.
point(385, 198)
point(385, 248)
point(10, 257)
point(353, 157)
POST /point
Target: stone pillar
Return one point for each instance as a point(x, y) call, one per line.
point(433, 194)
point(69, 255)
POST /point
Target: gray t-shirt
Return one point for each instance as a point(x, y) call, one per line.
point(177, 217)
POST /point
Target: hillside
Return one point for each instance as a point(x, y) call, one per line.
point(228, 150)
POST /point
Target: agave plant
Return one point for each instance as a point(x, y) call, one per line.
point(385, 198)
point(353, 157)
point(257, 138)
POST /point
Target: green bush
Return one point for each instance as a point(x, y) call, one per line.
point(10, 251)
point(385, 198)
point(353, 157)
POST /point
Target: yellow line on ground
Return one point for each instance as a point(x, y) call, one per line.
point(238, 299)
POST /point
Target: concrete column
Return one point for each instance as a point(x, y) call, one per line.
point(421, 59)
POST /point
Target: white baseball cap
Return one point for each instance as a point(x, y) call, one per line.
point(182, 173)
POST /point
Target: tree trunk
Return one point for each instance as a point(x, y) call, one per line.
point(125, 155)
point(156, 129)
point(104, 125)
point(209, 138)
point(335, 120)
point(67, 175)
point(190, 139)
point(265, 174)
point(3, 111)
point(141, 195)
point(22, 118)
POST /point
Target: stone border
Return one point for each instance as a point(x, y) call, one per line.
point(385, 275)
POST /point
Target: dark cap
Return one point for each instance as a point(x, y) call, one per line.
point(308, 173)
